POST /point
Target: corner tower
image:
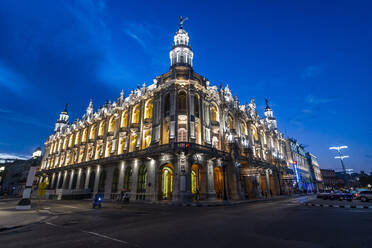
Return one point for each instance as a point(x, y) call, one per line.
point(62, 121)
point(181, 53)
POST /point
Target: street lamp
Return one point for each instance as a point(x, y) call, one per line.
point(341, 157)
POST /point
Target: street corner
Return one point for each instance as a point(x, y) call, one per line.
point(12, 218)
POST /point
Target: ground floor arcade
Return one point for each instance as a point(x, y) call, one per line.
point(169, 177)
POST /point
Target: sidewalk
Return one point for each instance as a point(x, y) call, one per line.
point(228, 203)
point(11, 218)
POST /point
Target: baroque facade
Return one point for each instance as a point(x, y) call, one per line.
point(179, 139)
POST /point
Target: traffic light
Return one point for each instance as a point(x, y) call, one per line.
point(187, 147)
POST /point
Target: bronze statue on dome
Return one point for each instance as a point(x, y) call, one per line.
point(182, 19)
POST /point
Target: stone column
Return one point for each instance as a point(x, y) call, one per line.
point(267, 176)
point(52, 181)
point(211, 193)
point(96, 180)
point(182, 183)
point(135, 165)
point(78, 179)
point(151, 180)
point(172, 123)
point(259, 195)
point(71, 179)
point(86, 183)
point(64, 180)
point(121, 175)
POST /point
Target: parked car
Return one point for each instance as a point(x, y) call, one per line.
point(364, 196)
point(323, 195)
point(341, 196)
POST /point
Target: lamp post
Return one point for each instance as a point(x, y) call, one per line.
point(341, 157)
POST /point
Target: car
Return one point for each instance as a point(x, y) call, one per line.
point(341, 196)
point(364, 196)
point(323, 195)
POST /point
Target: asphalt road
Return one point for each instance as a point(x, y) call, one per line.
point(284, 223)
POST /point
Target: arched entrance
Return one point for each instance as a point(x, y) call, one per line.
point(128, 179)
point(195, 181)
point(74, 181)
point(218, 182)
point(115, 180)
point(101, 183)
point(67, 181)
point(82, 180)
point(141, 182)
point(166, 189)
point(92, 177)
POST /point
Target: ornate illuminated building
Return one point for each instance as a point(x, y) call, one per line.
point(179, 139)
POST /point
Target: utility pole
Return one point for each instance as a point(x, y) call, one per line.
point(341, 157)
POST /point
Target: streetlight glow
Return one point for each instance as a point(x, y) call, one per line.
point(341, 157)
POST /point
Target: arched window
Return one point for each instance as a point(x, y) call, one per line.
point(128, 179)
point(135, 114)
point(84, 138)
point(214, 113)
point(244, 128)
point(124, 119)
point(166, 105)
point(112, 124)
point(197, 106)
point(77, 137)
point(230, 122)
point(182, 135)
point(182, 107)
point(215, 142)
point(92, 132)
point(101, 130)
point(148, 109)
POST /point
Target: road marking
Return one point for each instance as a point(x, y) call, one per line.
point(94, 233)
point(106, 237)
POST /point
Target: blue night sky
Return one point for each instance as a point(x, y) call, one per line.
point(311, 59)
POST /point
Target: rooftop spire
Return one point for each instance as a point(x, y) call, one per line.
point(181, 53)
point(65, 110)
point(182, 20)
point(267, 104)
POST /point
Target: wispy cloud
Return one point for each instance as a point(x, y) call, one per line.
point(312, 71)
point(315, 100)
point(20, 118)
point(13, 156)
point(5, 110)
point(10, 79)
point(140, 32)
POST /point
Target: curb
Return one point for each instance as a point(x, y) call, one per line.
point(216, 204)
point(7, 228)
point(337, 206)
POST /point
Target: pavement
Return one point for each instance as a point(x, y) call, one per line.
point(285, 222)
point(11, 218)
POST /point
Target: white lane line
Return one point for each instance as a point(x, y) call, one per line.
point(106, 237)
point(94, 233)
